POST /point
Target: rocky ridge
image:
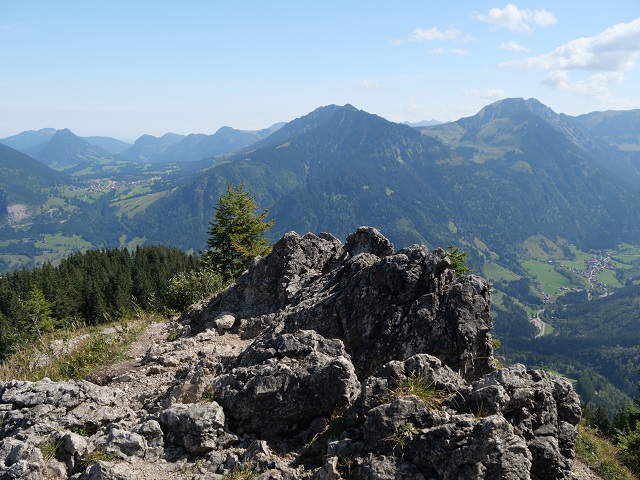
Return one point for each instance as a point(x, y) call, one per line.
point(323, 361)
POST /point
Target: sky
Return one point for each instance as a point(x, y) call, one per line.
point(126, 68)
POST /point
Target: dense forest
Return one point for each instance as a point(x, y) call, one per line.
point(89, 288)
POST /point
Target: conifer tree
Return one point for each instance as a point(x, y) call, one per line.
point(236, 234)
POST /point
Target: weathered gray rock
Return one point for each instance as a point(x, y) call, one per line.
point(376, 388)
point(73, 449)
point(198, 428)
point(20, 460)
point(469, 447)
point(365, 363)
point(39, 408)
point(109, 471)
point(543, 409)
point(383, 306)
point(125, 443)
point(285, 381)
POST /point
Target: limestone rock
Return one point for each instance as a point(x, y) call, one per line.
point(322, 361)
point(20, 460)
point(198, 428)
point(285, 381)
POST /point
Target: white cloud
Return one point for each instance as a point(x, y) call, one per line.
point(369, 85)
point(486, 93)
point(595, 86)
point(605, 57)
point(512, 46)
point(516, 19)
point(451, 51)
point(614, 49)
point(420, 35)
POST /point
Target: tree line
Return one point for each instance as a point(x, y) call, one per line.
point(87, 288)
point(99, 286)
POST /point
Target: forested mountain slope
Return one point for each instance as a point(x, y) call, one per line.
point(339, 167)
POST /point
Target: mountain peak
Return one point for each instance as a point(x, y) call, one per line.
point(506, 108)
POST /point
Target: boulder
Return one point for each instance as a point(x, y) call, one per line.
point(285, 381)
point(197, 428)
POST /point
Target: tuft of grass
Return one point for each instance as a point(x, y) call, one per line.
point(174, 334)
point(49, 448)
point(404, 434)
point(246, 471)
point(600, 455)
point(93, 350)
point(422, 387)
point(209, 395)
point(98, 455)
point(345, 466)
point(79, 431)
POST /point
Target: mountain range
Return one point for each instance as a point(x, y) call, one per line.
point(513, 178)
point(63, 150)
point(512, 171)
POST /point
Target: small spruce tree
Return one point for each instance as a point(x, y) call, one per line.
point(458, 260)
point(236, 234)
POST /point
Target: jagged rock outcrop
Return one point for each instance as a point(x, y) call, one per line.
point(323, 361)
point(383, 306)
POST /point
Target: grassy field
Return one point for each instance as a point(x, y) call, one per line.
point(495, 272)
point(55, 247)
point(608, 278)
point(550, 279)
point(135, 205)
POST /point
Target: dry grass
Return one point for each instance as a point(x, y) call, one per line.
point(422, 387)
point(73, 353)
point(600, 455)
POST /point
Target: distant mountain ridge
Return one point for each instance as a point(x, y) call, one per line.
point(179, 148)
point(22, 177)
point(471, 133)
point(339, 167)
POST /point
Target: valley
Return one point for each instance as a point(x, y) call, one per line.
point(546, 209)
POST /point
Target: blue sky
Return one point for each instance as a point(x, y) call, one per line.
point(125, 68)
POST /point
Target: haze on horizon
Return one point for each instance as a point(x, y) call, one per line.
point(123, 69)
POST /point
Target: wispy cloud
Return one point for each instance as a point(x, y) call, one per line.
point(450, 34)
point(512, 46)
point(486, 93)
point(451, 51)
point(605, 57)
point(420, 35)
point(369, 85)
point(516, 19)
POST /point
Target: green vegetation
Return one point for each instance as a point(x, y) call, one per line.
point(72, 352)
point(403, 435)
point(209, 395)
point(236, 234)
point(600, 454)
point(422, 387)
point(49, 448)
point(246, 471)
point(89, 288)
point(458, 260)
point(187, 288)
point(549, 278)
point(98, 455)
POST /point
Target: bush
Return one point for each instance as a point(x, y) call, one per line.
point(629, 445)
point(185, 289)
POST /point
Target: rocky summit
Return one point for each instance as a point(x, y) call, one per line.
point(323, 361)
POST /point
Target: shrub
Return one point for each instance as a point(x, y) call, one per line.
point(185, 289)
point(629, 445)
